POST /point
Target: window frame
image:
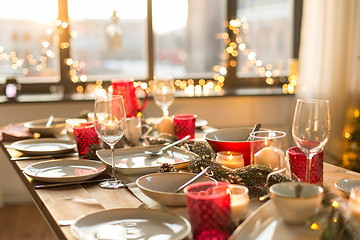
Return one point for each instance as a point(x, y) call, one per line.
point(231, 79)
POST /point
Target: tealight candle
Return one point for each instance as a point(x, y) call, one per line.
point(268, 156)
point(230, 159)
point(239, 201)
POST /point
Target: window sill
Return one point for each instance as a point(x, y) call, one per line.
point(239, 92)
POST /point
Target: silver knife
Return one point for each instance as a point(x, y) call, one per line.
point(67, 183)
point(45, 156)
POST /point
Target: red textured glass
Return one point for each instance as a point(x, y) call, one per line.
point(185, 125)
point(297, 160)
point(209, 207)
point(85, 136)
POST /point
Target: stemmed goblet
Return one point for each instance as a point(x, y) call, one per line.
point(164, 93)
point(311, 128)
point(110, 122)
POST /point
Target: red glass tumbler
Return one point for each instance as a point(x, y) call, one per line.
point(209, 207)
point(185, 125)
point(297, 160)
point(85, 136)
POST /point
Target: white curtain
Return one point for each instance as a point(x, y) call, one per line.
point(329, 60)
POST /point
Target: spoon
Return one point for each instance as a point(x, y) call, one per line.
point(161, 151)
point(256, 128)
point(192, 179)
point(49, 122)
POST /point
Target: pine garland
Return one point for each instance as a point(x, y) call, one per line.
point(254, 177)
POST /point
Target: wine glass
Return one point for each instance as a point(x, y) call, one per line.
point(110, 119)
point(311, 128)
point(164, 93)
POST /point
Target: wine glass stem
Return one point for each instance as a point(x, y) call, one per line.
point(113, 177)
point(165, 111)
point(309, 158)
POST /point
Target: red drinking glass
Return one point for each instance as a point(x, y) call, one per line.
point(297, 160)
point(185, 125)
point(209, 207)
point(85, 136)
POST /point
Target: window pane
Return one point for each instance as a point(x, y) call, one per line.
point(109, 38)
point(266, 36)
point(28, 41)
point(188, 41)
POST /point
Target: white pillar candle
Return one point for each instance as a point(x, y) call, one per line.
point(133, 130)
point(166, 125)
point(268, 156)
point(230, 159)
point(239, 202)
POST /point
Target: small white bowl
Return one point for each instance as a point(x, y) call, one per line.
point(161, 187)
point(38, 126)
point(292, 209)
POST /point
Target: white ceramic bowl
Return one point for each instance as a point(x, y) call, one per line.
point(292, 209)
point(161, 187)
point(38, 126)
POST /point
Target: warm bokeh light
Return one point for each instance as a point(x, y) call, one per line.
point(347, 135)
point(314, 226)
point(356, 113)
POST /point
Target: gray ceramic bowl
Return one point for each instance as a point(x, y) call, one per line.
point(57, 126)
point(161, 187)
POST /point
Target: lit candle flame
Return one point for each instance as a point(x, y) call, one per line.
point(314, 226)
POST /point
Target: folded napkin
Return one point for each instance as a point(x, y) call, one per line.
point(15, 132)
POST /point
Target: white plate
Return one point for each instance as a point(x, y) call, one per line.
point(130, 161)
point(345, 185)
point(64, 170)
point(131, 224)
point(43, 146)
point(265, 224)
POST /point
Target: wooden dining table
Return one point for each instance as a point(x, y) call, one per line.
point(72, 202)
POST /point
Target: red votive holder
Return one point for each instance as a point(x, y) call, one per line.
point(209, 208)
point(185, 125)
point(85, 136)
point(297, 160)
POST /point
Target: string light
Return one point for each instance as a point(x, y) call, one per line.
point(314, 226)
point(234, 48)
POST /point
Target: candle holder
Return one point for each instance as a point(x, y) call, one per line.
point(230, 159)
point(185, 125)
point(297, 161)
point(85, 136)
point(268, 148)
point(208, 205)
